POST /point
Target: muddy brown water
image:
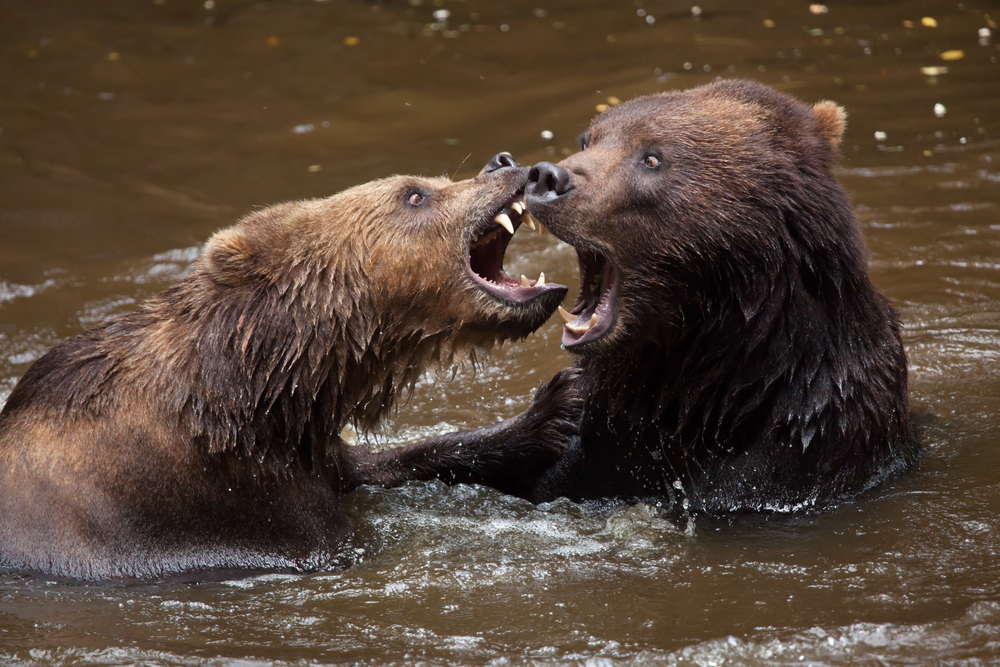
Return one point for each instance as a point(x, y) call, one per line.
point(129, 131)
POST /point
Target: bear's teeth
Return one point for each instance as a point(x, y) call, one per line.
point(524, 281)
point(541, 280)
point(578, 330)
point(570, 322)
point(503, 220)
point(518, 207)
point(530, 220)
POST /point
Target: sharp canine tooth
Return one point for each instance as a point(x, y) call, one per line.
point(524, 281)
point(541, 228)
point(593, 320)
point(518, 207)
point(531, 220)
point(541, 280)
point(567, 316)
point(503, 220)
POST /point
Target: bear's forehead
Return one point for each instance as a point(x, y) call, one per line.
point(673, 115)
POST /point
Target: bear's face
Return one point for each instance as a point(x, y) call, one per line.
point(421, 254)
point(669, 192)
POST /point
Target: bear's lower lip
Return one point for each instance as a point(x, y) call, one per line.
point(595, 309)
point(484, 260)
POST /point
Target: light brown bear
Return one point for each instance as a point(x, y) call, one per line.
point(202, 431)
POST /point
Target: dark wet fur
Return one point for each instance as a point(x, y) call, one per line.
point(754, 364)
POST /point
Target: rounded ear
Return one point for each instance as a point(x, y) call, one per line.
point(228, 257)
point(831, 120)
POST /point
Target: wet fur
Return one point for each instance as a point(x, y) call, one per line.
point(753, 365)
point(202, 431)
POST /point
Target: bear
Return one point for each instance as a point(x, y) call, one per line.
point(732, 351)
point(201, 433)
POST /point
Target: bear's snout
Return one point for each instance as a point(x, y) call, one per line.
point(500, 161)
point(547, 181)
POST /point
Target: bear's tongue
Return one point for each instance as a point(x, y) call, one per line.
point(595, 307)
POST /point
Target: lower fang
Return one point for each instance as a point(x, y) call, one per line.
point(578, 330)
point(541, 280)
point(524, 281)
point(530, 220)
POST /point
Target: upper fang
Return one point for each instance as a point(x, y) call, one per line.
point(503, 220)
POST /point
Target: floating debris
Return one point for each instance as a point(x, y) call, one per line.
point(880, 136)
point(313, 168)
point(352, 41)
point(273, 40)
point(933, 71)
point(768, 23)
point(695, 12)
point(954, 54)
point(441, 15)
point(303, 129)
point(939, 110)
point(601, 108)
point(928, 22)
point(547, 135)
point(614, 101)
point(113, 56)
point(818, 9)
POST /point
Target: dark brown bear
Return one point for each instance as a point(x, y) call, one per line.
point(202, 432)
point(734, 353)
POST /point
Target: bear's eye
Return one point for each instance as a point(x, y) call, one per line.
point(651, 162)
point(414, 198)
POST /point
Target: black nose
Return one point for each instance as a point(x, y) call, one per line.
point(548, 181)
point(500, 161)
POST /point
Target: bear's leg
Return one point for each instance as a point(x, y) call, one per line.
point(509, 456)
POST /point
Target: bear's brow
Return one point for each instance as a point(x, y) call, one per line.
point(584, 139)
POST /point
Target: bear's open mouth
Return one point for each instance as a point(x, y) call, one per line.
point(596, 306)
point(486, 253)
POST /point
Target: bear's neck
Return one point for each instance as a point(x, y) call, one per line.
point(733, 377)
point(272, 376)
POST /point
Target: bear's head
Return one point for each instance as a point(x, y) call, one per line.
point(368, 287)
point(414, 256)
point(685, 203)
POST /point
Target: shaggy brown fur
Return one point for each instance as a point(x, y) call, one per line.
point(734, 354)
point(202, 432)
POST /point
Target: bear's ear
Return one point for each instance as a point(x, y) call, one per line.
point(228, 257)
point(831, 119)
